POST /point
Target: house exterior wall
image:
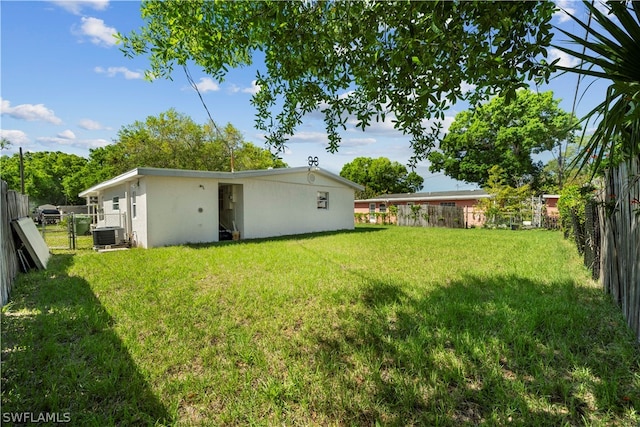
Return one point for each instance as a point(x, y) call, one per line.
point(108, 215)
point(180, 210)
point(139, 219)
point(176, 207)
point(551, 205)
point(275, 206)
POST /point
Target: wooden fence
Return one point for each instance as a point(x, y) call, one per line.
point(430, 216)
point(13, 205)
point(619, 213)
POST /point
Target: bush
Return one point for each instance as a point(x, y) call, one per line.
point(571, 208)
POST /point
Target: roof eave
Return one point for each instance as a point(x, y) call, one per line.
point(146, 171)
point(110, 182)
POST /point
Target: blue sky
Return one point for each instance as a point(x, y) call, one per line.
point(65, 86)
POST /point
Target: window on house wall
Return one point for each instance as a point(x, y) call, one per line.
point(134, 210)
point(115, 203)
point(447, 203)
point(382, 208)
point(323, 200)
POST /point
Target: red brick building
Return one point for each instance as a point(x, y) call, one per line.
point(465, 199)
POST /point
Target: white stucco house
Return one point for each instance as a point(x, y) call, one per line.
point(160, 207)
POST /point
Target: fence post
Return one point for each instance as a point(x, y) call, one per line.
point(592, 239)
point(71, 229)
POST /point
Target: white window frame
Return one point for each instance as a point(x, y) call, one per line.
point(322, 200)
point(115, 203)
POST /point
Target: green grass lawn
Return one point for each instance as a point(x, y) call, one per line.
point(389, 326)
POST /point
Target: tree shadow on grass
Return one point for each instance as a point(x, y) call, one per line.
point(498, 350)
point(61, 356)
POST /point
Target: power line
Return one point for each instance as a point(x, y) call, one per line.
point(220, 135)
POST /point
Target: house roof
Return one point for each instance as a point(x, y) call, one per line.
point(437, 195)
point(184, 173)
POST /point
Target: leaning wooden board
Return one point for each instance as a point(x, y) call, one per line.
point(32, 240)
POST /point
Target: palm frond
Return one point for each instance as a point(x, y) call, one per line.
point(613, 54)
point(622, 38)
point(636, 9)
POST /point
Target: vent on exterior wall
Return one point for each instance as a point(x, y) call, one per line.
point(108, 236)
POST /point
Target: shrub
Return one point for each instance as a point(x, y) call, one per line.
point(571, 208)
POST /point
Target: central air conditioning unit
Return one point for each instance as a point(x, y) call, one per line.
point(108, 236)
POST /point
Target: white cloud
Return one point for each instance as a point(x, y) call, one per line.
point(76, 6)
point(602, 7)
point(55, 140)
point(97, 31)
point(566, 60)
point(357, 142)
point(114, 71)
point(253, 89)
point(376, 128)
point(79, 143)
point(67, 134)
point(95, 143)
point(89, 124)
point(564, 9)
point(309, 136)
point(467, 87)
point(206, 84)
point(29, 112)
point(16, 137)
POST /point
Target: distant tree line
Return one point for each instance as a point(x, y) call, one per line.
point(170, 140)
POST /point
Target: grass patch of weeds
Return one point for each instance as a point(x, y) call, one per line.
point(394, 326)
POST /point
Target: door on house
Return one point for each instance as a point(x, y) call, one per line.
point(372, 212)
point(230, 218)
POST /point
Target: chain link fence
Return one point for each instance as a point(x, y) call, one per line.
point(67, 232)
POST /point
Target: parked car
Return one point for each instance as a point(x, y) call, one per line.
point(49, 216)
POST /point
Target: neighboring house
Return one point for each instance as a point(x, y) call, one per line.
point(550, 202)
point(465, 199)
point(160, 207)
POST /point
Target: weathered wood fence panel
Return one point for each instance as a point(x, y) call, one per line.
point(13, 205)
point(591, 243)
point(619, 212)
point(430, 216)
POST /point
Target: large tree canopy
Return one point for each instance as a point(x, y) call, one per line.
point(381, 176)
point(503, 134)
point(366, 60)
point(173, 140)
point(169, 140)
point(47, 176)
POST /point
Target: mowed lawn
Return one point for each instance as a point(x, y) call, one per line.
point(388, 326)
